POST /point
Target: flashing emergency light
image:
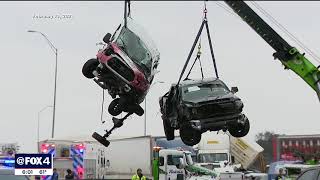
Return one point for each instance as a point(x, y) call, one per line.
point(157, 148)
point(79, 147)
point(80, 172)
point(7, 162)
point(45, 148)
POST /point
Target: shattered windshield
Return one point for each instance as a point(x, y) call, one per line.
point(135, 42)
point(212, 157)
point(135, 49)
point(194, 92)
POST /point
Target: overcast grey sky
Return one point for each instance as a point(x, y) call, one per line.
point(274, 99)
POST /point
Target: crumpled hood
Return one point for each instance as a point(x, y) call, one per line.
point(212, 98)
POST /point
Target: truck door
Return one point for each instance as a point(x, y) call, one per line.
point(173, 173)
point(162, 168)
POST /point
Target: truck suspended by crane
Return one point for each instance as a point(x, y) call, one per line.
point(289, 56)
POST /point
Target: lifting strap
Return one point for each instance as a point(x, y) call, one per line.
point(129, 9)
point(204, 23)
point(197, 58)
point(126, 11)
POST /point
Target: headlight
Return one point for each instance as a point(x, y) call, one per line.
point(239, 104)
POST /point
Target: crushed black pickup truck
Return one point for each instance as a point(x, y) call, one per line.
point(196, 106)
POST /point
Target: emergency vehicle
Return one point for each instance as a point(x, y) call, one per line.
point(84, 156)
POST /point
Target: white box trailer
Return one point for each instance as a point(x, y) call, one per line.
point(244, 151)
point(126, 155)
point(129, 154)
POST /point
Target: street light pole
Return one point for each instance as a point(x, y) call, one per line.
point(55, 50)
point(145, 116)
point(145, 108)
point(38, 133)
point(54, 94)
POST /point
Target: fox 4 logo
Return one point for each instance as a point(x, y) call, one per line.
point(36, 161)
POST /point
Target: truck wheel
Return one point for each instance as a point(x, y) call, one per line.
point(100, 139)
point(89, 67)
point(168, 130)
point(189, 136)
point(114, 108)
point(133, 108)
point(240, 130)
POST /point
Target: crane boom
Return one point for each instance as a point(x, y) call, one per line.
point(289, 56)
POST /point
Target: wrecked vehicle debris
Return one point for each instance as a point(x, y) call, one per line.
point(125, 67)
point(196, 106)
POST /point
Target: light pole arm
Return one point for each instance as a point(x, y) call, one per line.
point(54, 49)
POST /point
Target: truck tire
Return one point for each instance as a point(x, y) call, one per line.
point(114, 107)
point(100, 139)
point(240, 130)
point(168, 130)
point(189, 136)
point(132, 108)
point(89, 67)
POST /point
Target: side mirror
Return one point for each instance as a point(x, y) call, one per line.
point(234, 89)
point(161, 161)
point(106, 38)
point(181, 164)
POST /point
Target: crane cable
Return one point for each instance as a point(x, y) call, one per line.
point(228, 9)
point(126, 14)
point(291, 36)
point(129, 9)
point(204, 23)
point(295, 39)
point(197, 58)
point(199, 47)
point(102, 107)
point(126, 11)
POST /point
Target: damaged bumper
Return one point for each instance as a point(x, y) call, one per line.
point(214, 123)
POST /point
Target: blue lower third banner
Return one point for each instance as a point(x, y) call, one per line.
point(33, 164)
